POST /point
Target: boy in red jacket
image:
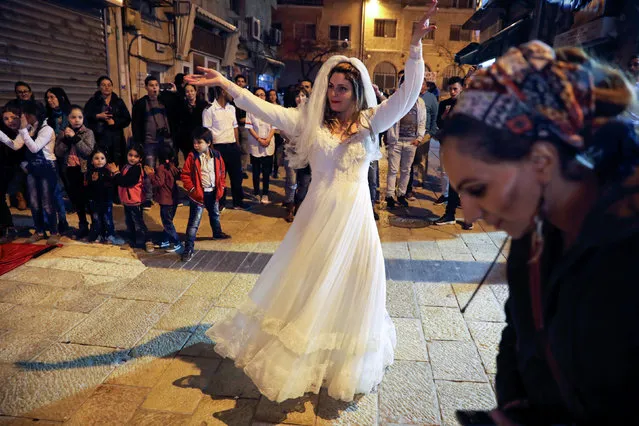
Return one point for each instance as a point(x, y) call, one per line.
point(203, 178)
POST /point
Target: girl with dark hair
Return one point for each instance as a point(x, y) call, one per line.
point(535, 147)
point(261, 148)
point(190, 118)
point(317, 315)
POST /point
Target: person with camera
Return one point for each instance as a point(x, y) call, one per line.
point(151, 130)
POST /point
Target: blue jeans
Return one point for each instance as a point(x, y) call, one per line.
point(134, 218)
point(195, 216)
point(102, 219)
point(167, 213)
point(151, 153)
point(59, 202)
point(42, 181)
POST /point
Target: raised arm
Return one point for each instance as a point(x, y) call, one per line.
point(44, 137)
point(283, 118)
point(395, 107)
point(15, 144)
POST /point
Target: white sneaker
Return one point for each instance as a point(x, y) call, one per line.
point(265, 200)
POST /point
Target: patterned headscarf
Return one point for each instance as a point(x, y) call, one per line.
point(532, 94)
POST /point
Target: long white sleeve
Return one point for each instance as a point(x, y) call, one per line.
point(421, 118)
point(13, 144)
point(284, 119)
point(395, 107)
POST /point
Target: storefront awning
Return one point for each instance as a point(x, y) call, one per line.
point(495, 46)
point(216, 21)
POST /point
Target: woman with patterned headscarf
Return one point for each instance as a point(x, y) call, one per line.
point(535, 147)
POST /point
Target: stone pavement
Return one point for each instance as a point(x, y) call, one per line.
point(92, 334)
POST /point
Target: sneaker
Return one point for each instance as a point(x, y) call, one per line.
point(83, 232)
point(390, 202)
point(177, 248)
point(187, 255)
point(221, 236)
point(410, 197)
point(53, 239)
point(401, 200)
point(115, 240)
point(466, 226)
point(441, 200)
point(149, 247)
point(146, 205)
point(445, 220)
point(35, 237)
point(265, 200)
point(164, 244)
point(63, 227)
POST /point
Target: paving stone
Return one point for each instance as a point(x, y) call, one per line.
point(199, 344)
point(117, 323)
point(217, 314)
point(487, 336)
point(31, 319)
point(298, 411)
point(90, 266)
point(5, 307)
point(57, 382)
point(435, 294)
point(6, 372)
point(455, 396)
point(160, 285)
point(484, 306)
point(51, 277)
point(232, 382)
point(238, 290)
point(154, 418)
point(456, 361)
point(396, 250)
point(407, 394)
point(483, 252)
point(361, 412)
point(18, 345)
point(491, 379)
point(443, 324)
point(219, 412)
point(184, 314)
point(266, 247)
point(501, 293)
point(477, 238)
point(400, 299)
point(79, 301)
point(98, 252)
point(209, 285)
point(24, 421)
point(424, 250)
point(410, 340)
point(179, 389)
point(28, 294)
point(109, 405)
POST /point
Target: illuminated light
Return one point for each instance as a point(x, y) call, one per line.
point(372, 8)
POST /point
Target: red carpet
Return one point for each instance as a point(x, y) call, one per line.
point(13, 255)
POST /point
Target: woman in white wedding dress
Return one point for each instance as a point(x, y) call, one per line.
point(317, 315)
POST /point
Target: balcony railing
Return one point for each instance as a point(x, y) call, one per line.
point(302, 2)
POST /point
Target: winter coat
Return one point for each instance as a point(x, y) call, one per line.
point(164, 181)
point(192, 176)
point(138, 125)
point(99, 191)
point(190, 118)
point(129, 181)
point(106, 136)
point(83, 142)
point(584, 366)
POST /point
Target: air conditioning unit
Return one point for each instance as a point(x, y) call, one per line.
point(160, 48)
point(255, 28)
point(276, 37)
point(344, 44)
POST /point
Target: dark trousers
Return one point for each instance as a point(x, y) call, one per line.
point(212, 206)
point(232, 156)
point(167, 213)
point(77, 195)
point(453, 201)
point(303, 182)
point(6, 221)
point(373, 180)
point(263, 166)
point(42, 181)
point(101, 220)
point(134, 218)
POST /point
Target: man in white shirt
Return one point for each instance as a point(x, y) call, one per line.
point(221, 120)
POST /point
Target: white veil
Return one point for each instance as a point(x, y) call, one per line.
point(312, 115)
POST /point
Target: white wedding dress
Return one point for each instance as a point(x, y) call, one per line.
point(316, 316)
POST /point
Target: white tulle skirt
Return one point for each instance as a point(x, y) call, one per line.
point(317, 315)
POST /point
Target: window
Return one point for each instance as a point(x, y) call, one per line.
point(457, 34)
point(147, 11)
point(337, 32)
point(430, 35)
point(385, 76)
point(457, 4)
point(386, 28)
point(304, 31)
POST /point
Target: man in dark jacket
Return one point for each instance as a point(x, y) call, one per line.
point(107, 115)
point(151, 129)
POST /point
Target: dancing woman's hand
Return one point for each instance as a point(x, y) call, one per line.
point(210, 77)
point(423, 27)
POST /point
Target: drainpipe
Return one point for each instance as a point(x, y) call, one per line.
point(123, 74)
point(361, 36)
point(105, 25)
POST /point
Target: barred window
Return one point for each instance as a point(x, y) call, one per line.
point(386, 28)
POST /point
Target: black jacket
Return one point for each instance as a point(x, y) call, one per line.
point(101, 190)
point(445, 107)
point(589, 304)
point(106, 136)
point(139, 118)
point(190, 118)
